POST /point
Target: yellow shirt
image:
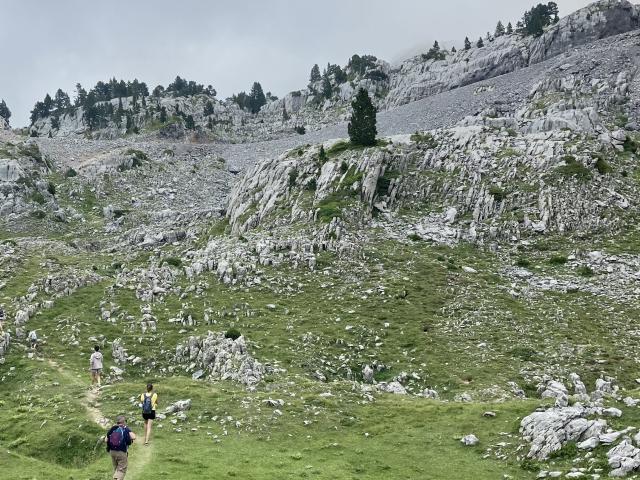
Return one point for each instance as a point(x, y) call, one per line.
point(154, 400)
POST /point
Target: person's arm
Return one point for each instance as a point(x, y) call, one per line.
point(132, 436)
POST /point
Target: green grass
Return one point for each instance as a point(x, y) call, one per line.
point(603, 167)
point(30, 150)
point(411, 307)
point(425, 139)
point(332, 206)
point(497, 193)
point(343, 146)
point(575, 169)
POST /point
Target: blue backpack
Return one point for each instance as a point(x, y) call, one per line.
point(117, 440)
point(147, 406)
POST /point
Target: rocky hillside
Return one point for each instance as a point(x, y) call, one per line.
point(561, 163)
point(464, 292)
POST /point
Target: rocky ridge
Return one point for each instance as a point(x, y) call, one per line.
point(412, 80)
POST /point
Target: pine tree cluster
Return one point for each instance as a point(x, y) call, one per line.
point(252, 102)
point(535, 20)
point(97, 106)
point(533, 23)
point(434, 53)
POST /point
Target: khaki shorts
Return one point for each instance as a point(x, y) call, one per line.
point(120, 462)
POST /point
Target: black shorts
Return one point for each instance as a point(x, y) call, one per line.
point(149, 416)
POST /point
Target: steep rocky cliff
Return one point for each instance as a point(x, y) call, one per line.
point(417, 78)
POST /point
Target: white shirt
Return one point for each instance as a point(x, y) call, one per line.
point(96, 361)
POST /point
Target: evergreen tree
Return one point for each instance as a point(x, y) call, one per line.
point(339, 75)
point(467, 43)
point(285, 114)
point(61, 100)
point(242, 100)
point(189, 123)
point(55, 123)
point(47, 105)
point(480, 43)
point(81, 96)
point(327, 89)
point(552, 11)
point(119, 113)
point(256, 98)
point(158, 91)
point(500, 31)
point(535, 20)
point(4, 110)
point(362, 127)
point(322, 155)
point(434, 52)
point(509, 29)
point(163, 114)
point(35, 113)
point(315, 74)
point(129, 124)
point(210, 124)
point(208, 108)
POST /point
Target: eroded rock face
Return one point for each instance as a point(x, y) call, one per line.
point(417, 78)
point(549, 430)
point(623, 459)
point(10, 170)
point(221, 358)
point(598, 20)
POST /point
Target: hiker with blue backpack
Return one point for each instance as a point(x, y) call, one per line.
point(149, 403)
point(119, 438)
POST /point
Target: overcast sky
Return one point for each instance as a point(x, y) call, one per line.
point(46, 45)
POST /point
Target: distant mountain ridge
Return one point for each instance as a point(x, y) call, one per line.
point(326, 101)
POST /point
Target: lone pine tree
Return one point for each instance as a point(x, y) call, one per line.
point(362, 127)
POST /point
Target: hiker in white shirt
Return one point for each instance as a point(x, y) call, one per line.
point(95, 364)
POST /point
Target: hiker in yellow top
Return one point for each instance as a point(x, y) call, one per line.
point(149, 403)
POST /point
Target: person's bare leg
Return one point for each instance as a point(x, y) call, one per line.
point(98, 378)
point(147, 431)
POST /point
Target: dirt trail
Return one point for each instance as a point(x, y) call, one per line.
point(139, 454)
point(139, 457)
point(90, 399)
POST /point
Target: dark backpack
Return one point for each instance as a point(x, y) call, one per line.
point(117, 440)
point(147, 405)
